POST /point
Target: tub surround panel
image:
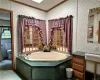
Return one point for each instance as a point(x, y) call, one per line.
point(45, 74)
point(38, 70)
point(24, 69)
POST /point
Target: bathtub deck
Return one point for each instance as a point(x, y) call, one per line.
point(43, 63)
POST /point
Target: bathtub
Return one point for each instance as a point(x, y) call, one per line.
point(43, 65)
point(47, 56)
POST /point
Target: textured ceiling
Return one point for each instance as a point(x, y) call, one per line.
point(45, 4)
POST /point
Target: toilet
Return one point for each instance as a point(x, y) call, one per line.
point(9, 53)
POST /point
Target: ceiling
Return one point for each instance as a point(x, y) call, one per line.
point(45, 5)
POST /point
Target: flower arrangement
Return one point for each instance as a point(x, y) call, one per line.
point(46, 48)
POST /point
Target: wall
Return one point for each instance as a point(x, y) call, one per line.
point(79, 9)
point(83, 9)
point(20, 10)
point(67, 8)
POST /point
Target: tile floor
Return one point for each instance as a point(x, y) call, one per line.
point(11, 75)
point(8, 75)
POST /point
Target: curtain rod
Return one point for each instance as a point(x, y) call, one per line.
point(62, 17)
point(29, 17)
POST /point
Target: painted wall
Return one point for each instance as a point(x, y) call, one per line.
point(83, 10)
point(20, 10)
point(67, 8)
point(79, 9)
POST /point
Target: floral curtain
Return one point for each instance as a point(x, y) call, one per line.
point(65, 24)
point(30, 21)
point(56, 38)
point(37, 42)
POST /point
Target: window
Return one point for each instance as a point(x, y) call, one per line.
point(58, 42)
point(32, 39)
point(6, 34)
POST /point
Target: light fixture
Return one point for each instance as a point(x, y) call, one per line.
point(38, 1)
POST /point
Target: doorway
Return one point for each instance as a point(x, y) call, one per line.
point(6, 40)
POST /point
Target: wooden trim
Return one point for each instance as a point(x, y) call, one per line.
point(38, 8)
point(12, 39)
point(56, 5)
point(27, 5)
point(99, 33)
point(12, 34)
point(5, 10)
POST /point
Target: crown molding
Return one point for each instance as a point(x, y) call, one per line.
point(38, 8)
point(27, 5)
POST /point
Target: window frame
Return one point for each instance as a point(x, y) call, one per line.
point(64, 48)
point(31, 47)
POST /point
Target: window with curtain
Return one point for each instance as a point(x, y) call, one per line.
point(61, 33)
point(58, 42)
point(31, 34)
point(32, 39)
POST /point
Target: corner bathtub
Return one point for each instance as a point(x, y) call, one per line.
point(47, 56)
point(43, 65)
